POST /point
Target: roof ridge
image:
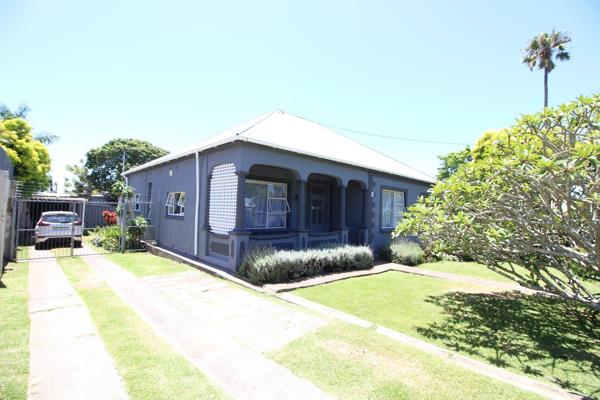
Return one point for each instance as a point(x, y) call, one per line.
point(254, 124)
point(330, 128)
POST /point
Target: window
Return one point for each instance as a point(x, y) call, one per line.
point(266, 205)
point(175, 203)
point(392, 207)
point(136, 202)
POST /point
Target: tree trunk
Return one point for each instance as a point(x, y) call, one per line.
point(545, 88)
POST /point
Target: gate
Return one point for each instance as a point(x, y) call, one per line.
point(54, 226)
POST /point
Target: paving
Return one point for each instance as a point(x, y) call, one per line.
point(68, 360)
point(221, 329)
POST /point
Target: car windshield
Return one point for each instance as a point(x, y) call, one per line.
point(60, 218)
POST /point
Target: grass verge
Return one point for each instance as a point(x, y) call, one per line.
point(146, 264)
point(14, 333)
point(356, 363)
point(545, 338)
point(150, 368)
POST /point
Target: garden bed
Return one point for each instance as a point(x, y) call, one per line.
point(269, 265)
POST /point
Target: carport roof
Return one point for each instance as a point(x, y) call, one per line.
point(282, 130)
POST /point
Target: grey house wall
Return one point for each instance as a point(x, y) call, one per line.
point(177, 233)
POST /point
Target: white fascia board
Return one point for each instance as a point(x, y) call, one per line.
point(168, 158)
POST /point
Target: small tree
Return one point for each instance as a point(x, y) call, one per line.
point(530, 197)
point(30, 157)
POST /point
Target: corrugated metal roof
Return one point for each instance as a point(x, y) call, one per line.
point(293, 133)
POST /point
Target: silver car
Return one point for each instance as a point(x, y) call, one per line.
point(58, 225)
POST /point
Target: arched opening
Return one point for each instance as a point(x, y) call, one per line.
point(268, 194)
point(322, 198)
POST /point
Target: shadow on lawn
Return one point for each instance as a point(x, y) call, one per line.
point(525, 332)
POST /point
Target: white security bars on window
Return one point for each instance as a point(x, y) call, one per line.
point(266, 204)
point(222, 199)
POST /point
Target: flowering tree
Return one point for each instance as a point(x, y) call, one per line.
point(531, 198)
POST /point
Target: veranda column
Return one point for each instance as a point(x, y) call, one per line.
point(301, 212)
point(366, 223)
point(342, 217)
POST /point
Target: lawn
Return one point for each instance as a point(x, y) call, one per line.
point(14, 333)
point(356, 363)
point(470, 269)
point(146, 264)
point(546, 338)
point(150, 368)
point(476, 270)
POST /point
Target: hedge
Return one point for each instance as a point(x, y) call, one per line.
point(269, 265)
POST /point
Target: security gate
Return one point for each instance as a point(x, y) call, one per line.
point(63, 227)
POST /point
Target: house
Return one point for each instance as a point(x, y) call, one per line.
point(278, 180)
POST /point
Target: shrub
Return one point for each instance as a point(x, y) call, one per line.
point(136, 229)
point(108, 238)
point(269, 265)
point(406, 252)
point(110, 217)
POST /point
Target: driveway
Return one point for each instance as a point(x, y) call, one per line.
point(221, 329)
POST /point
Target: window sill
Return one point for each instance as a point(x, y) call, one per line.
point(175, 217)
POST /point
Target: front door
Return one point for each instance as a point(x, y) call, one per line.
point(319, 208)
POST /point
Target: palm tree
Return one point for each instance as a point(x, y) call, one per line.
point(45, 138)
point(540, 52)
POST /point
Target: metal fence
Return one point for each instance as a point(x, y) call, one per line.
point(55, 226)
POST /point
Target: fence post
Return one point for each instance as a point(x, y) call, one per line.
point(122, 219)
point(4, 193)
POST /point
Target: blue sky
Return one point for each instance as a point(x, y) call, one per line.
point(178, 71)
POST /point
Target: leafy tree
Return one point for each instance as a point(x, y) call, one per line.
point(529, 198)
point(29, 156)
point(540, 52)
point(452, 161)
point(104, 164)
point(79, 182)
point(21, 112)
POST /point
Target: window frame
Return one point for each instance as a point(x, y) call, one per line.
point(136, 202)
point(392, 190)
point(268, 205)
point(174, 202)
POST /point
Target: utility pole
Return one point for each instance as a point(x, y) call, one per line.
point(124, 158)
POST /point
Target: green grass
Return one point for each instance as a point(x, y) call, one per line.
point(14, 333)
point(355, 363)
point(470, 269)
point(476, 270)
point(146, 264)
point(150, 368)
point(546, 338)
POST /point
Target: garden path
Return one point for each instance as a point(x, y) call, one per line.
point(68, 360)
point(221, 329)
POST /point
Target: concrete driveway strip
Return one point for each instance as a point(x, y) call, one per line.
point(241, 370)
point(68, 360)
